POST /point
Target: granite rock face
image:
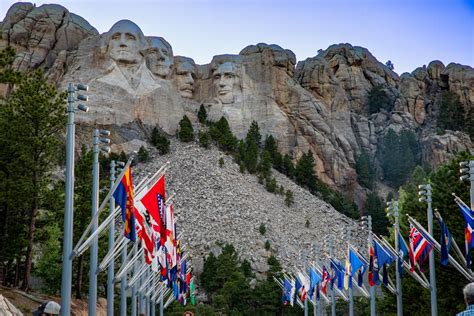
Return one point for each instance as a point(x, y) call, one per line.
point(40, 34)
point(136, 83)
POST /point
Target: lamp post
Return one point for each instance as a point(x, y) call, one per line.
point(66, 277)
point(467, 173)
point(392, 209)
point(368, 220)
point(99, 137)
point(425, 196)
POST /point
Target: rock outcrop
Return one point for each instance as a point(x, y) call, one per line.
point(320, 105)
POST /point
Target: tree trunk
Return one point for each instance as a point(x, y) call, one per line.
point(17, 272)
point(80, 266)
point(31, 234)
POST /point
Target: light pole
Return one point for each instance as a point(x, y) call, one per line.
point(392, 209)
point(66, 277)
point(425, 196)
point(99, 137)
point(368, 220)
point(467, 173)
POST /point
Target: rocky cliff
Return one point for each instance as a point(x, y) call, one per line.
point(317, 104)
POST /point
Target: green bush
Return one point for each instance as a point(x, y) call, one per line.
point(143, 154)
point(204, 139)
point(202, 115)
point(267, 245)
point(160, 141)
point(379, 99)
point(262, 229)
point(186, 131)
point(289, 199)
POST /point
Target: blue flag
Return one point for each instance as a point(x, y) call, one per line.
point(338, 273)
point(383, 258)
point(355, 261)
point(298, 287)
point(445, 242)
point(314, 279)
point(286, 297)
point(403, 252)
point(382, 255)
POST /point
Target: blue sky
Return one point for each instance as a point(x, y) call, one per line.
point(410, 33)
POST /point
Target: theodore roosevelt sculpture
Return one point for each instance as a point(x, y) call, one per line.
point(184, 76)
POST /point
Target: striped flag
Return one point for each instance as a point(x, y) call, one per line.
point(420, 248)
point(123, 196)
point(468, 215)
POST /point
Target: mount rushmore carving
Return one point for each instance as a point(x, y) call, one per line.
point(317, 104)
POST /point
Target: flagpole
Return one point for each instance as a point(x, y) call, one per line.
point(305, 258)
point(95, 223)
point(392, 209)
point(426, 196)
point(351, 293)
point(110, 272)
point(317, 310)
point(371, 288)
point(333, 298)
point(161, 303)
point(123, 285)
point(152, 301)
point(134, 288)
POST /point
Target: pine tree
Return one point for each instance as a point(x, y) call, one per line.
point(469, 126)
point(271, 146)
point(251, 152)
point(160, 141)
point(204, 139)
point(143, 154)
point(374, 206)
point(289, 199)
point(265, 166)
point(186, 131)
point(35, 114)
point(304, 172)
point(379, 99)
point(451, 112)
point(364, 169)
point(271, 185)
point(288, 167)
point(202, 114)
point(254, 134)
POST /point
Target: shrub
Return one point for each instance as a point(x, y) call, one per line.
point(186, 131)
point(221, 162)
point(160, 141)
point(262, 229)
point(289, 199)
point(379, 99)
point(202, 114)
point(204, 139)
point(267, 245)
point(143, 154)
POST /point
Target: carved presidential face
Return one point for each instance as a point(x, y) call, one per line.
point(159, 57)
point(224, 79)
point(125, 41)
point(185, 76)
